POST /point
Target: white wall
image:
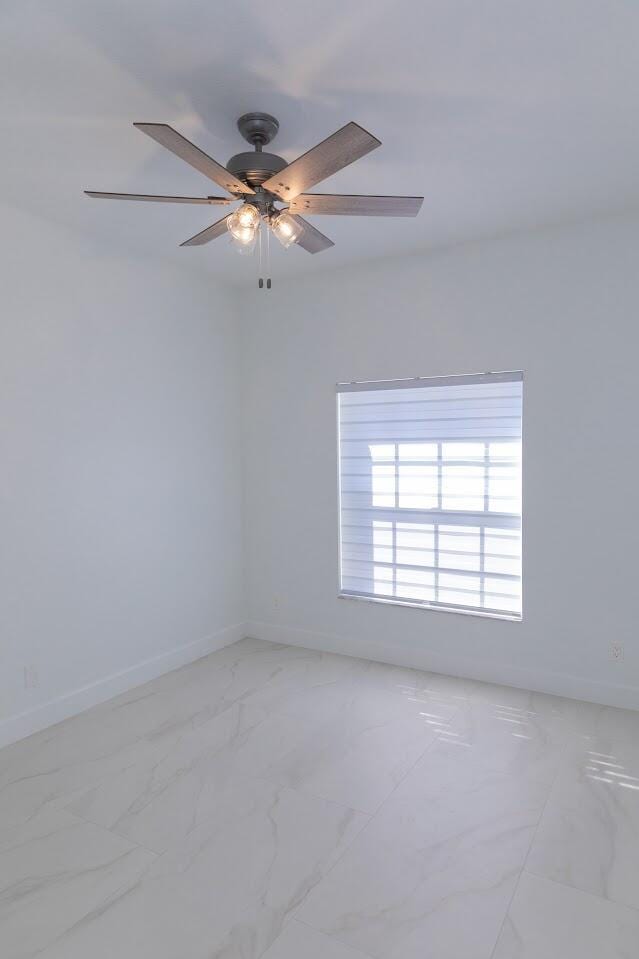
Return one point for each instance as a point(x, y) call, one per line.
point(561, 305)
point(120, 487)
point(120, 483)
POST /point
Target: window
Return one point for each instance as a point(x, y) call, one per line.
point(430, 492)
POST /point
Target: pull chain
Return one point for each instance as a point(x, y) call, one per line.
point(264, 263)
point(268, 259)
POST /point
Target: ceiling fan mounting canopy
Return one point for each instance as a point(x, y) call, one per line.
point(258, 128)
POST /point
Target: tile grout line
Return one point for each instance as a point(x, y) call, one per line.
point(308, 792)
point(582, 892)
point(357, 953)
point(567, 885)
point(111, 832)
point(532, 840)
point(366, 826)
point(114, 833)
point(83, 821)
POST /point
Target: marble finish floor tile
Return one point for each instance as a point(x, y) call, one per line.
point(171, 786)
point(226, 889)
point(360, 755)
point(589, 834)
point(603, 730)
point(527, 701)
point(88, 750)
point(272, 801)
point(298, 941)
point(434, 871)
point(57, 873)
point(339, 682)
point(406, 682)
point(549, 921)
point(509, 738)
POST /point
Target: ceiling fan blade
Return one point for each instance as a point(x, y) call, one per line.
point(167, 137)
point(337, 151)
point(159, 199)
point(336, 205)
point(211, 233)
point(311, 239)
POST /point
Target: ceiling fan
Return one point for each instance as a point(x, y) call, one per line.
point(262, 181)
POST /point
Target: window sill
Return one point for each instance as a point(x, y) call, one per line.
point(509, 617)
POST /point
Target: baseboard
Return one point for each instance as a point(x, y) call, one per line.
point(70, 704)
point(557, 684)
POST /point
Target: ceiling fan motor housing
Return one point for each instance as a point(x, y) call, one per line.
point(255, 168)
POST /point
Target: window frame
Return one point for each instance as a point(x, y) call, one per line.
point(430, 606)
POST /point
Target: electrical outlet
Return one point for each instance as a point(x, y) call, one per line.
point(276, 602)
point(31, 678)
point(616, 652)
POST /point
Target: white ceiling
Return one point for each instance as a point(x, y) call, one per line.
point(505, 114)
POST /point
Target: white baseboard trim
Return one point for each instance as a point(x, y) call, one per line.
point(557, 684)
point(70, 704)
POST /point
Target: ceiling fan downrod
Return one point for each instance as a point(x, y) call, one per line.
point(256, 166)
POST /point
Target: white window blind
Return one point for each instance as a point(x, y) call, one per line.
point(430, 491)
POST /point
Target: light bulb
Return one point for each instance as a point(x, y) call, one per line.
point(286, 228)
point(243, 240)
point(243, 225)
point(247, 216)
